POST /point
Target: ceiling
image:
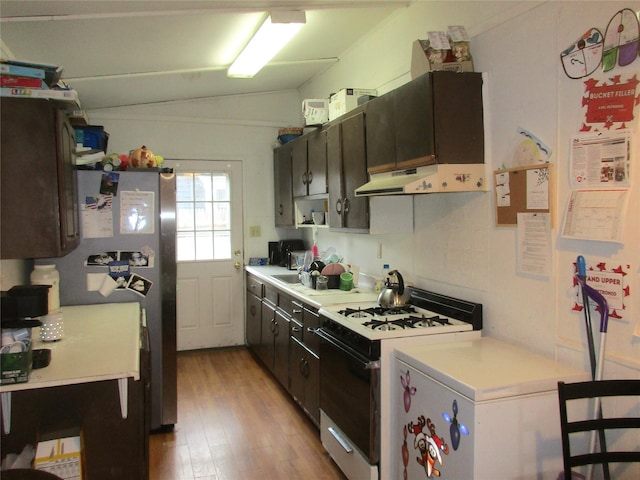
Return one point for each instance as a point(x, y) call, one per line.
point(117, 53)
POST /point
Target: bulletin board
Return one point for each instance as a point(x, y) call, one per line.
point(526, 189)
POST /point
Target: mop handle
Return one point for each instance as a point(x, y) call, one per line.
point(604, 319)
point(600, 300)
point(582, 267)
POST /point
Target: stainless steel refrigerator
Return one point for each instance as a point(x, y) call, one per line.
point(127, 254)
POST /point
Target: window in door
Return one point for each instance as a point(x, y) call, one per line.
point(203, 216)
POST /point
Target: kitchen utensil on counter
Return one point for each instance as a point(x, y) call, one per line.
point(330, 256)
point(333, 269)
point(316, 266)
point(355, 271)
point(305, 279)
point(308, 258)
point(322, 282)
point(346, 281)
point(394, 294)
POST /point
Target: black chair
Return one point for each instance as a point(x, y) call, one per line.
point(602, 422)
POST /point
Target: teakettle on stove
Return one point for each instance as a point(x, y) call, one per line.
point(393, 293)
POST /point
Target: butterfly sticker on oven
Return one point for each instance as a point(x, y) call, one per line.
point(409, 391)
point(456, 428)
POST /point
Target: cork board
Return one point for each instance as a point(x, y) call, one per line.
point(528, 189)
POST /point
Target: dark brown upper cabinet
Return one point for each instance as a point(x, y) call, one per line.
point(435, 118)
point(346, 171)
point(39, 217)
point(310, 164)
point(283, 193)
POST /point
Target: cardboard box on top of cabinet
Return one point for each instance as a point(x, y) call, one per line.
point(315, 111)
point(346, 100)
point(423, 61)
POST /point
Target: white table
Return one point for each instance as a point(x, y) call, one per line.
point(100, 342)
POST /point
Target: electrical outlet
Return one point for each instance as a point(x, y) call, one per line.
point(255, 231)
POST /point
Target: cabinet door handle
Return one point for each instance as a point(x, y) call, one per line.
point(252, 309)
point(304, 178)
point(309, 178)
point(273, 326)
point(280, 209)
point(297, 311)
point(343, 443)
point(304, 367)
point(295, 329)
point(346, 205)
point(339, 206)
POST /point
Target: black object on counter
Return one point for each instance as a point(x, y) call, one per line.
point(41, 358)
point(287, 246)
point(22, 303)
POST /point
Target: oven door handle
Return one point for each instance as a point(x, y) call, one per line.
point(366, 363)
point(343, 443)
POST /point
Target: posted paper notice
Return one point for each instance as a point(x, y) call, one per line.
point(534, 243)
point(595, 215)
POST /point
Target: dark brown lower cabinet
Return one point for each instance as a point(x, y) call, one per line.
point(304, 368)
point(114, 447)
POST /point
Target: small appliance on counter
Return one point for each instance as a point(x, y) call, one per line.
point(21, 308)
point(280, 253)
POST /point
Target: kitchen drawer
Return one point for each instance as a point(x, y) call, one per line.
point(255, 286)
point(311, 321)
point(290, 307)
point(296, 329)
point(270, 294)
point(297, 312)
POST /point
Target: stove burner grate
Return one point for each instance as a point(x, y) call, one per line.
point(405, 323)
point(376, 311)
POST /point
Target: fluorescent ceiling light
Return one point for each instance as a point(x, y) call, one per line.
point(275, 32)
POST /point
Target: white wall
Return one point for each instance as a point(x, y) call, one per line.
point(242, 127)
point(456, 247)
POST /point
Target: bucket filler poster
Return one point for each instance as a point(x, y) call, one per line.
point(610, 104)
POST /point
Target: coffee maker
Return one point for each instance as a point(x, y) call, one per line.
point(279, 252)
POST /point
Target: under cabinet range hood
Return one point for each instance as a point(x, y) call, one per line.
point(430, 179)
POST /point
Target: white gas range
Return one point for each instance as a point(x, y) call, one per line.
point(379, 323)
point(356, 369)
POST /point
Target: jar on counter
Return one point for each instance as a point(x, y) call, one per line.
point(48, 275)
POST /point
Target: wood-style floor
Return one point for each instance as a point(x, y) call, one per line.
point(236, 422)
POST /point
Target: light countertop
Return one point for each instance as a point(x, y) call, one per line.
point(100, 342)
point(315, 298)
point(488, 369)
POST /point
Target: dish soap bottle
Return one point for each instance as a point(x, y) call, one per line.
point(385, 275)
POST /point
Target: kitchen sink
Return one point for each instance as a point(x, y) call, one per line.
point(289, 278)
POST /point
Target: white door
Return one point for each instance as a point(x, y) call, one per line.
point(210, 305)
